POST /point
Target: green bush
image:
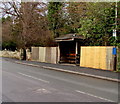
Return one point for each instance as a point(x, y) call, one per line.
point(9, 45)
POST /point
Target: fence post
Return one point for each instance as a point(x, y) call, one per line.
point(114, 52)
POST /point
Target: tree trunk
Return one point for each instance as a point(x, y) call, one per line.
point(24, 54)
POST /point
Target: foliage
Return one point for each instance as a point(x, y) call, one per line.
point(98, 25)
point(33, 23)
point(9, 45)
point(75, 11)
point(55, 17)
point(118, 24)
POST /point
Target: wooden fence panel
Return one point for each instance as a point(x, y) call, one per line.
point(45, 54)
point(97, 57)
point(109, 59)
point(102, 58)
point(35, 53)
point(48, 55)
point(42, 51)
point(54, 54)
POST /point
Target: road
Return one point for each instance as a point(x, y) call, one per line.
point(21, 83)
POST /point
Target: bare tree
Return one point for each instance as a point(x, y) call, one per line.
point(29, 18)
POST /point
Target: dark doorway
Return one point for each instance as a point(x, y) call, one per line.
point(67, 52)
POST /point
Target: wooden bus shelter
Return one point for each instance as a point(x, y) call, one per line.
point(69, 48)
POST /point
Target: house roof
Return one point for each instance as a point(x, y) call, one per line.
point(69, 37)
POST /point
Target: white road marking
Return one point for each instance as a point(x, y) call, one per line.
point(33, 77)
point(93, 95)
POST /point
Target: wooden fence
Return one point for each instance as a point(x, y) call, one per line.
point(97, 57)
point(45, 54)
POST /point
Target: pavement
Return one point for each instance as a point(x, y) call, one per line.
point(68, 68)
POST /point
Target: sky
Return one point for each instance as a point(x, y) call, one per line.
point(61, 0)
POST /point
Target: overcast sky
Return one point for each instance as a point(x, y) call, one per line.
point(61, 0)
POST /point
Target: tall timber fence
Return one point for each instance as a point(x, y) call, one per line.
point(45, 54)
point(118, 59)
point(99, 57)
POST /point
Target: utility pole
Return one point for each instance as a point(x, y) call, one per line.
point(115, 30)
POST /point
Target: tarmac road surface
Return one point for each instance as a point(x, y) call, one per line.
point(21, 83)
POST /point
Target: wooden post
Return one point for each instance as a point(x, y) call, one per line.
point(76, 54)
point(115, 58)
point(58, 54)
point(76, 50)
